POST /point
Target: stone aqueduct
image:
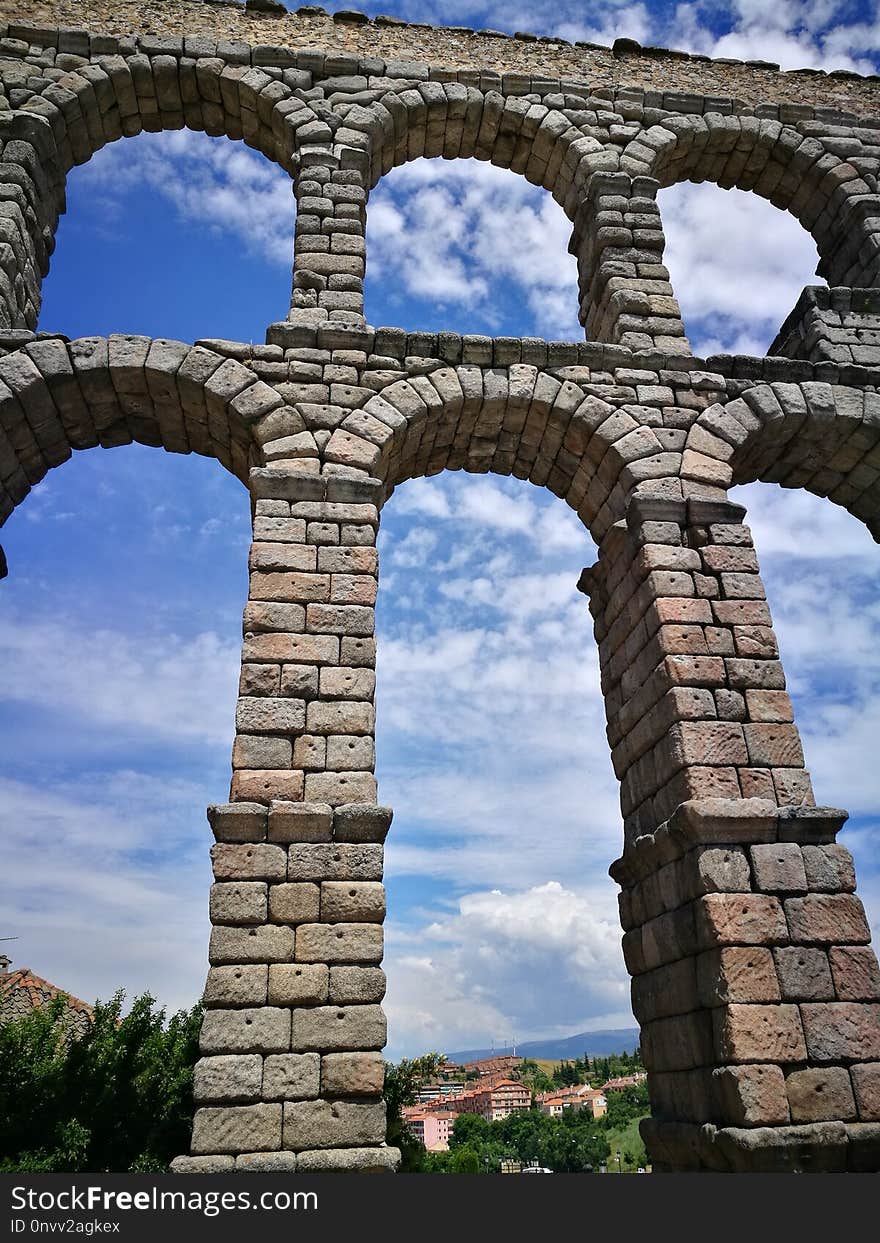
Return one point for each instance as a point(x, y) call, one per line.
point(753, 978)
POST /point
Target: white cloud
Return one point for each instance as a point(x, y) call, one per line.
point(211, 183)
point(737, 265)
point(443, 232)
point(111, 875)
point(540, 961)
point(157, 686)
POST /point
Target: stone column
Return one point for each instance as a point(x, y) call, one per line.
point(291, 1074)
point(31, 199)
point(625, 294)
point(694, 689)
point(753, 978)
point(330, 248)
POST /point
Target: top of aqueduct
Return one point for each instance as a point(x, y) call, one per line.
point(264, 26)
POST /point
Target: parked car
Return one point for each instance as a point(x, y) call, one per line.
point(536, 1169)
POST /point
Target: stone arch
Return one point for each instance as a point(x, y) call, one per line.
point(518, 420)
point(57, 396)
point(796, 172)
point(71, 115)
point(453, 121)
point(822, 437)
point(120, 96)
point(431, 119)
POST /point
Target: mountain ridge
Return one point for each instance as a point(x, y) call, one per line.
point(593, 1044)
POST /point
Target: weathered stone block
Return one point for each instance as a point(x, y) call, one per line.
point(752, 1095)
point(339, 1028)
point(842, 1031)
point(339, 943)
point(339, 787)
point(739, 919)
point(818, 1147)
point(349, 1160)
point(721, 869)
point(356, 985)
point(202, 1165)
point(804, 974)
point(340, 861)
point(340, 717)
point(342, 683)
point(236, 985)
point(239, 1128)
point(706, 742)
point(359, 822)
point(346, 752)
point(296, 902)
point(682, 1042)
point(773, 745)
point(238, 822)
point(242, 902)
point(724, 821)
point(856, 973)
point(352, 1074)
point(866, 1085)
point(291, 1076)
point(829, 868)
point(668, 937)
point(259, 943)
point(332, 1124)
point(265, 1163)
point(820, 1094)
point(300, 822)
point(265, 784)
point(270, 716)
point(736, 974)
point(779, 868)
point(352, 901)
point(298, 984)
point(256, 862)
point(669, 990)
point(263, 1029)
point(837, 918)
point(228, 1078)
point(749, 1033)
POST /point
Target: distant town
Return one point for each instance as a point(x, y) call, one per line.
point(496, 1087)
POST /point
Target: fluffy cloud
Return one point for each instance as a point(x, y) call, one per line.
point(544, 961)
point(737, 265)
point(131, 686)
point(111, 874)
point(210, 183)
point(441, 232)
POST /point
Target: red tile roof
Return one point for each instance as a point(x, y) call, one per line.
point(21, 991)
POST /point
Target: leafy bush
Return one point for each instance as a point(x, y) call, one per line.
point(117, 1099)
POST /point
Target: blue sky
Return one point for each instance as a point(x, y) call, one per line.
point(120, 622)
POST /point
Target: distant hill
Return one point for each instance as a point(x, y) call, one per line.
point(594, 1044)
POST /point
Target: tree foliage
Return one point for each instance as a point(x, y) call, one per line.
point(116, 1099)
point(402, 1082)
point(572, 1144)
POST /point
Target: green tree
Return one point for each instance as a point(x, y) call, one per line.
point(469, 1131)
point(116, 1099)
point(401, 1088)
point(466, 1160)
point(624, 1106)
